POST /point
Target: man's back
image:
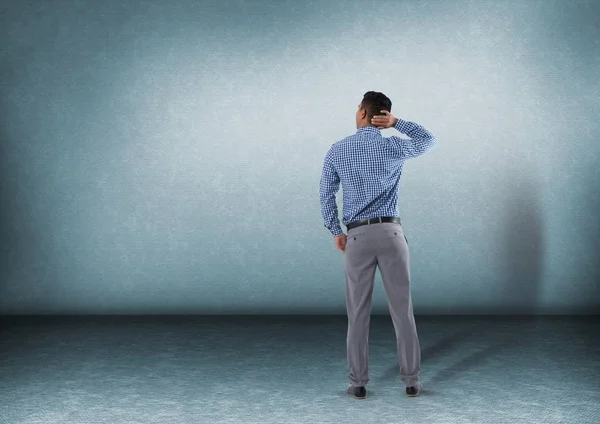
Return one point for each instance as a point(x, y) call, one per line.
point(369, 167)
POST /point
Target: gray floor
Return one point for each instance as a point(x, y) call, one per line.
point(293, 370)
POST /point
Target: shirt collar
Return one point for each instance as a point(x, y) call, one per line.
point(368, 130)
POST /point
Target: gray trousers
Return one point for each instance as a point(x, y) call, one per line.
point(380, 245)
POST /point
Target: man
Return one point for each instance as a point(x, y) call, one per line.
point(369, 167)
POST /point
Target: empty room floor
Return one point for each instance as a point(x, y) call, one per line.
point(274, 369)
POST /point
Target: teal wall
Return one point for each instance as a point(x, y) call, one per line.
point(165, 157)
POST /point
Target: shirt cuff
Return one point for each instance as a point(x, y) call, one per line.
point(337, 232)
point(400, 125)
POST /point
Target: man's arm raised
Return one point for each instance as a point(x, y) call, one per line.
point(420, 141)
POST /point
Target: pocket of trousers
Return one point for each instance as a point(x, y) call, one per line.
point(397, 233)
point(354, 237)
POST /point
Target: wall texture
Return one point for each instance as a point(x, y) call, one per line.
point(164, 157)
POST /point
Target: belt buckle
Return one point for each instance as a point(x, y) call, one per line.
point(378, 220)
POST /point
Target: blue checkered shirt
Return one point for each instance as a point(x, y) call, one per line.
point(369, 167)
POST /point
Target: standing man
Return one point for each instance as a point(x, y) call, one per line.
point(369, 167)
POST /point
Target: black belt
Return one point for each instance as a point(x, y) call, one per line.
point(373, 221)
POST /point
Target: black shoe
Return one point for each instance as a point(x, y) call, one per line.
point(357, 392)
point(414, 390)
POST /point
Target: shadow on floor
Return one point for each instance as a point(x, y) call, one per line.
point(455, 371)
point(439, 349)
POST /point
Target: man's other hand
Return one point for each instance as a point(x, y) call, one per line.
point(387, 120)
point(340, 242)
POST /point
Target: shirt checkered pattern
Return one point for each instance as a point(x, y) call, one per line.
point(369, 167)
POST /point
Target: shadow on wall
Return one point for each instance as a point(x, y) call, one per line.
point(8, 234)
point(587, 227)
point(524, 251)
point(594, 242)
point(17, 236)
point(592, 208)
point(5, 213)
point(9, 217)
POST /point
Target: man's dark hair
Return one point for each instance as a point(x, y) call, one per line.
point(374, 102)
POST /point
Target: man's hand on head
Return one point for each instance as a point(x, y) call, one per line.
point(340, 242)
point(387, 120)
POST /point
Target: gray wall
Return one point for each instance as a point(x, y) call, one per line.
point(164, 157)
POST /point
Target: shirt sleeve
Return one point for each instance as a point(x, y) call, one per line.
point(420, 141)
point(329, 186)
